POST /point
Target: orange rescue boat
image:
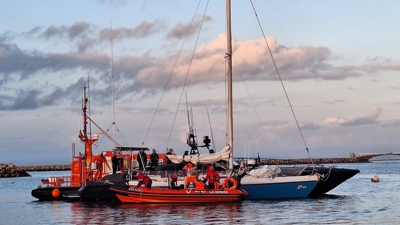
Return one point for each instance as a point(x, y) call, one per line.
point(194, 191)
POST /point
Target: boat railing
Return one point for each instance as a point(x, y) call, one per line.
point(59, 181)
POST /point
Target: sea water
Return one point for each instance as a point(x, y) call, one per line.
point(356, 201)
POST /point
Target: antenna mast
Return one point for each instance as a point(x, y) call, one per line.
point(112, 77)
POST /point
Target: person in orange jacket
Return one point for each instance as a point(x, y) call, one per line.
point(188, 169)
point(143, 179)
point(212, 176)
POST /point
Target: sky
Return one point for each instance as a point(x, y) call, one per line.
point(147, 63)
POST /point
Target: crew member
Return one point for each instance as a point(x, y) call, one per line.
point(114, 161)
point(143, 179)
point(142, 159)
point(212, 176)
point(188, 169)
point(169, 152)
point(173, 182)
point(154, 158)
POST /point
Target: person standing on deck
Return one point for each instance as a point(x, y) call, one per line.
point(154, 158)
point(114, 162)
point(170, 152)
point(142, 159)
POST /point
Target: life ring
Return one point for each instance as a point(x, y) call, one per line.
point(227, 182)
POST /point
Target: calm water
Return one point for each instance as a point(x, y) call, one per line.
point(357, 201)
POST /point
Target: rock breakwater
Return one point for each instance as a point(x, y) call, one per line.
point(46, 168)
point(10, 170)
point(308, 161)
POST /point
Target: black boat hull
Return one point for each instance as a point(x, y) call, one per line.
point(333, 177)
point(100, 190)
point(97, 191)
point(53, 193)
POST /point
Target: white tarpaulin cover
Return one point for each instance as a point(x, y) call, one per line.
point(265, 171)
point(204, 158)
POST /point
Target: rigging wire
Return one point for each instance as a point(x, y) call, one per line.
point(251, 99)
point(212, 135)
point(114, 126)
point(280, 78)
point(104, 132)
point(187, 73)
point(169, 77)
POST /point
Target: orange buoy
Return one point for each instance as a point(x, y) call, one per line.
point(56, 193)
point(375, 179)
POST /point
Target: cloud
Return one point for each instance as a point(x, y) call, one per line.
point(148, 73)
point(180, 31)
point(369, 119)
point(253, 60)
point(144, 29)
point(310, 126)
point(391, 123)
point(36, 98)
point(15, 61)
point(87, 36)
point(6, 36)
point(335, 102)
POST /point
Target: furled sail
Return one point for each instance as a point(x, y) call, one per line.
point(204, 158)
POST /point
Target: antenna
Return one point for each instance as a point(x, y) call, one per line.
point(112, 87)
point(90, 124)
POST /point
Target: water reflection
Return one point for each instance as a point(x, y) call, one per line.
point(356, 201)
point(177, 213)
point(94, 213)
point(103, 213)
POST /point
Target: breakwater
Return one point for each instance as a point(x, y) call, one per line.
point(10, 170)
point(46, 168)
point(308, 161)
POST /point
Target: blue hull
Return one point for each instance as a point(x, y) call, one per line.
point(279, 190)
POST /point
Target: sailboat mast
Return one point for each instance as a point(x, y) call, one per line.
point(229, 56)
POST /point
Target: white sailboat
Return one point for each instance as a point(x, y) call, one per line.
point(262, 185)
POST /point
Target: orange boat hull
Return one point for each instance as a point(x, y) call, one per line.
point(159, 195)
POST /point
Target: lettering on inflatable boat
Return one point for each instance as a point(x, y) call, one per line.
point(218, 192)
point(301, 187)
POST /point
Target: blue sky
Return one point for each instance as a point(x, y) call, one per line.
point(338, 61)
